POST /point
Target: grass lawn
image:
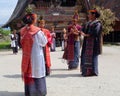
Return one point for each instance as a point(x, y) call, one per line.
point(4, 45)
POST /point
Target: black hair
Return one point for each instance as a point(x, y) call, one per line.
point(97, 14)
point(28, 19)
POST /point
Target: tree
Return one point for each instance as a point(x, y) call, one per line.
point(4, 32)
point(107, 19)
point(29, 10)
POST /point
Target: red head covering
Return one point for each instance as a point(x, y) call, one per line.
point(93, 11)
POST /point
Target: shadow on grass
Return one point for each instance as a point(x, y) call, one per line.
point(12, 76)
point(64, 75)
point(7, 54)
point(59, 69)
point(7, 93)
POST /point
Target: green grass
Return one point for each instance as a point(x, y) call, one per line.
point(4, 45)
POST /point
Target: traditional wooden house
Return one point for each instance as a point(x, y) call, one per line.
point(56, 13)
point(59, 13)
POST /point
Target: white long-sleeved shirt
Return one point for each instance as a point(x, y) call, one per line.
point(37, 56)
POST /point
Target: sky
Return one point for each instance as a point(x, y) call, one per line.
point(6, 9)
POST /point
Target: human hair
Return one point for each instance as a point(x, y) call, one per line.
point(29, 18)
point(14, 31)
point(94, 11)
point(41, 21)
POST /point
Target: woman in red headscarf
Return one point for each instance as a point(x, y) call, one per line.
point(72, 50)
point(91, 44)
point(33, 64)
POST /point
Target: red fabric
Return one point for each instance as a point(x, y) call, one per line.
point(47, 47)
point(26, 43)
point(69, 50)
point(93, 10)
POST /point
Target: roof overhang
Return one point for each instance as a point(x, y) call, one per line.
point(18, 12)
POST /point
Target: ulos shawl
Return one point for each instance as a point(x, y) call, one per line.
point(27, 40)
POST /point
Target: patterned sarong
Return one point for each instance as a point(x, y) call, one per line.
point(88, 64)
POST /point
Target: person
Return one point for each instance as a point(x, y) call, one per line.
point(14, 42)
point(41, 24)
point(64, 41)
point(33, 64)
point(91, 44)
point(72, 51)
point(19, 45)
point(53, 36)
point(76, 15)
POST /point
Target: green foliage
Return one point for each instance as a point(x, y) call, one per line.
point(4, 32)
point(107, 18)
point(5, 45)
point(29, 9)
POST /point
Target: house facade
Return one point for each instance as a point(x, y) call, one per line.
point(59, 13)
